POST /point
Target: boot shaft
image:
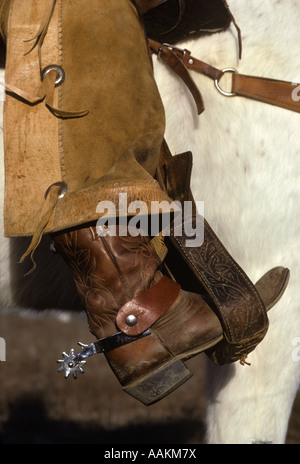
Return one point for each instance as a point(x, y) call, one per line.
point(108, 270)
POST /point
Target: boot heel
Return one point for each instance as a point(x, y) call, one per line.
point(160, 383)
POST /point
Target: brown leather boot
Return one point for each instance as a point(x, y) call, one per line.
point(146, 324)
point(122, 289)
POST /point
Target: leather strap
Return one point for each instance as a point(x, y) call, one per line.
point(275, 92)
point(106, 344)
point(180, 61)
point(173, 59)
point(236, 301)
point(166, 51)
point(232, 295)
point(148, 306)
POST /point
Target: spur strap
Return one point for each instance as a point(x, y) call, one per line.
point(273, 91)
point(140, 313)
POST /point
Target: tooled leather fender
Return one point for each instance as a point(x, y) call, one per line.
point(232, 295)
point(236, 301)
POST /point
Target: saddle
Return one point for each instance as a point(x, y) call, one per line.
point(174, 20)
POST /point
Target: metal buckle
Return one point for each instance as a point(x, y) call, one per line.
point(226, 94)
point(172, 47)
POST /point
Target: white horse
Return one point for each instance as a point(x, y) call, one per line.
point(247, 171)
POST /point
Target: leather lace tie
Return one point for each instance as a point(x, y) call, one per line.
point(52, 196)
point(48, 82)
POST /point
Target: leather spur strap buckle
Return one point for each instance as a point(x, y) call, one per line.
point(172, 48)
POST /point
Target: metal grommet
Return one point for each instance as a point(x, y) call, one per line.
point(227, 94)
point(60, 73)
point(62, 191)
point(131, 320)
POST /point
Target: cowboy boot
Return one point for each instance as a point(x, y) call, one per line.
point(121, 288)
point(118, 278)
